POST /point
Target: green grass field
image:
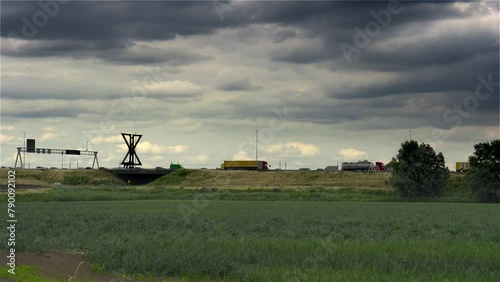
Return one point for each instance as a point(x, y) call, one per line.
point(200, 225)
point(25, 273)
point(271, 240)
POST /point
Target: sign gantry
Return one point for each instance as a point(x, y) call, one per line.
point(30, 148)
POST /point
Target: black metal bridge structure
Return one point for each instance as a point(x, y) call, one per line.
point(131, 172)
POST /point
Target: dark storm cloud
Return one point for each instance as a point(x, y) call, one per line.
point(437, 62)
point(448, 49)
point(443, 48)
point(342, 21)
point(108, 26)
point(164, 20)
point(459, 77)
point(441, 70)
point(106, 30)
point(111, 20)
point(111, 51)
point(121, 21)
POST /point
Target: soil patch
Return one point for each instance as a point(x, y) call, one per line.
point(66, 267)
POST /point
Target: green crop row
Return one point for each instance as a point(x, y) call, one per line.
point(271, 241)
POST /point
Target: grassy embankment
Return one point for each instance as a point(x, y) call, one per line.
point(272, 241)
point(47, 177)
point(224, 185)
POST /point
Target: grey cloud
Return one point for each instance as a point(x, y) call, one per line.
point(338, 26)
point(101, 20)
point(148, 55)
point(440, 71)
point(379, 113)
point(121, 20)
point(230, 80)
point(178, 97)
point(163, 20)
point(239, 85)
point(451, 47)
point(110, 26)
point(40, 88)
point(458, 77)
point(48, 113)
point(302, 53)
point(110, 51)
point(283, 35)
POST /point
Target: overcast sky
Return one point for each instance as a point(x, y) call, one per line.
point(323, 82)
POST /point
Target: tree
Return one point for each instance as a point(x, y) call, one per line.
point(484, 175)
point(393, 163)
point(418, 171)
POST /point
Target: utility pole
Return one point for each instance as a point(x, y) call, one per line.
point(256, 145)
point(87, 145)
point(410, 134)
point(24, 153)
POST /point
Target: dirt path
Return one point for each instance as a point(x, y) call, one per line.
point(65, 267)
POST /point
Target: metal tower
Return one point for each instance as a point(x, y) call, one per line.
point(131, 159)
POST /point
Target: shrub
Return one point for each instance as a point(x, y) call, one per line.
point(484, 176)
point(418, 171)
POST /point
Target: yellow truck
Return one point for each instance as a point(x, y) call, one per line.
point(244, 165)
point(462, 166)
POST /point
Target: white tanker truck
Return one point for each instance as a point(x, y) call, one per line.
point(363, 166)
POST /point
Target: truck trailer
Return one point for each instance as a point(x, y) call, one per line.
point(363, 166)
point(244, 165)
point(462, 166)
